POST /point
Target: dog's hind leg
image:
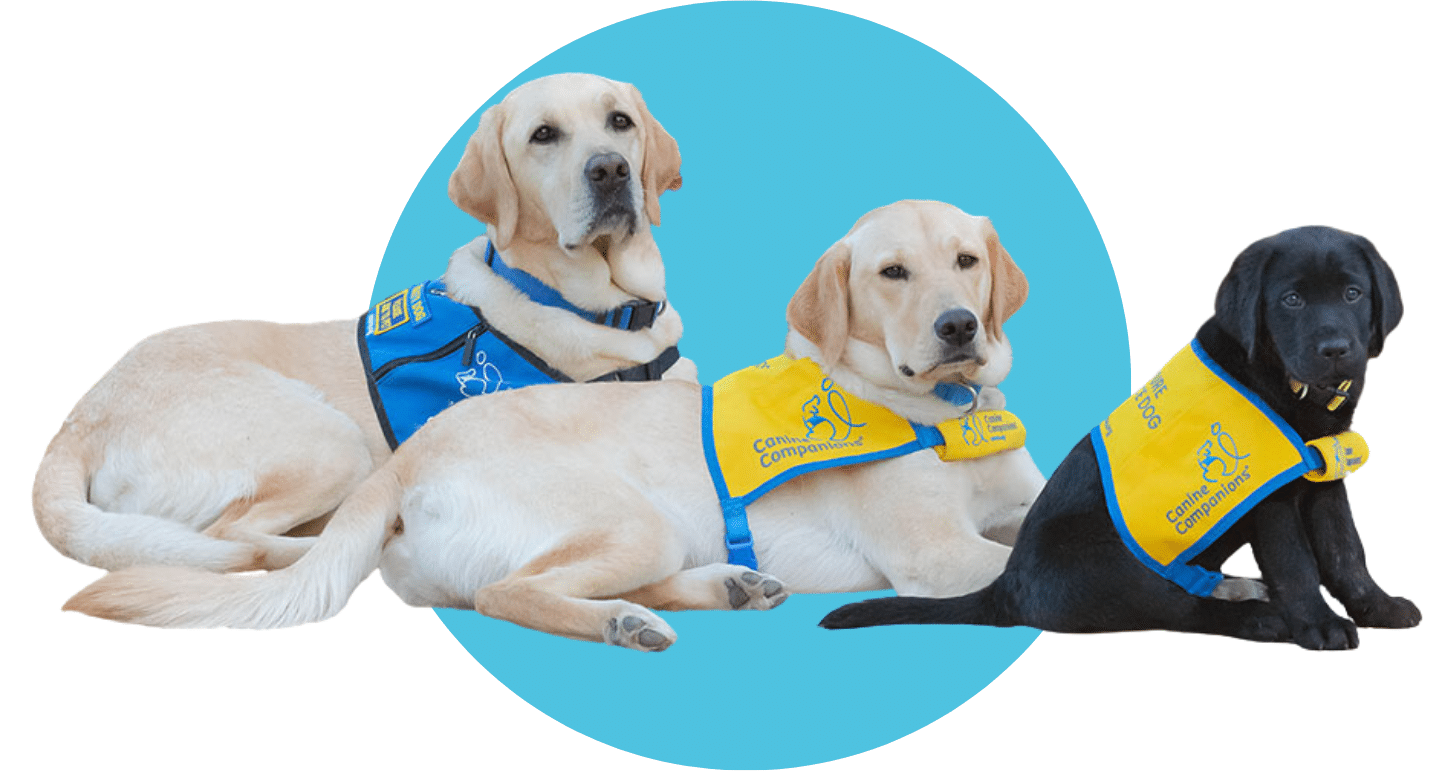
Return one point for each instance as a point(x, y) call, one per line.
point(286, 498)
point(1116, 593)
point(713, 587)
point(555, 591)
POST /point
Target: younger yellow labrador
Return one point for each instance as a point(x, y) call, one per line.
point(205, 444)
point(582, 507)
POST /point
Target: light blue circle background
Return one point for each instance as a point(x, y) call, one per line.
point(792, 122)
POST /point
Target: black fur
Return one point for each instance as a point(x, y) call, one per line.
point(1070, 571)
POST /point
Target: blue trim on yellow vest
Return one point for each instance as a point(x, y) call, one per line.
point(1195, 579)
point(738, 539)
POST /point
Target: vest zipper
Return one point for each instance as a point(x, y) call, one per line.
point(469, 337)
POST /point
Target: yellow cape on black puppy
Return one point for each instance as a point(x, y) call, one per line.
point(772, 422)
point(1191, 452)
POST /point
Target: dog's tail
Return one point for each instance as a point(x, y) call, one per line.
point(982, 608)
point(86, 533)
point(314, 588)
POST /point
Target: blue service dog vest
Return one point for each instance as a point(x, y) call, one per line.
point(424, 351)
point(775, 421)
point(1191, 453)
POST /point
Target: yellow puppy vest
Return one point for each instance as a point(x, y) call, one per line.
point(775, 421)
point(1192, 452)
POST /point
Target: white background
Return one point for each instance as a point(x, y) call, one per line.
point(169, 165)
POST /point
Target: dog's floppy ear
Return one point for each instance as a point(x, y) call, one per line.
point(1008, 285)
point(1387, 303)
point(820, 308)
point(1239, 303)
point(482, 184)
point(660, 170)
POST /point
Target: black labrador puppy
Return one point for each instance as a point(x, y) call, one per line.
point(1298, 314)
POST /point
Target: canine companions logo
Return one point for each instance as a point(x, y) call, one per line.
point(1221, 466)
point(827, 423)
point(482, 379)
point(838, 405)
point(978, 430)
point(1228, 448)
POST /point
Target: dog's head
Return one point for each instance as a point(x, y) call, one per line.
point(575, 162)
point(1318, 300)
point(920, 287)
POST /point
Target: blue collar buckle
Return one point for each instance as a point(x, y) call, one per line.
point(959, 395)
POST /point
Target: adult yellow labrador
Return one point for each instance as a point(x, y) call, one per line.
point(913, 297)
point(205, 444)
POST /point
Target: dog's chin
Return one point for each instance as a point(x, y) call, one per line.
point(958, 368)
point(605, 233)
point(1325, 376)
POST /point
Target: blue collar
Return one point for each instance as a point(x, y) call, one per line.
point(959, 395)
point(631, 316)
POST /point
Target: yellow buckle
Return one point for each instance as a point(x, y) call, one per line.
point(980, 434)
point(1342, 454)
point(1342, 389)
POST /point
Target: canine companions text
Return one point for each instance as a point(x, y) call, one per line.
point(1297, 318)
point(909, 304)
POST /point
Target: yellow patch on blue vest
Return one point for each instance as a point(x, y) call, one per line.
point(1190, 453)
point(778, 420)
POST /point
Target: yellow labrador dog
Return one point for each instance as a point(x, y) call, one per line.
point(205, 444)
point(586, 505)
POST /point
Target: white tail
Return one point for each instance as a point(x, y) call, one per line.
point(313, 589)
point(85, 532)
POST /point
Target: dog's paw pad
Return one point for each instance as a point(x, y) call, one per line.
point(754, 591)
point(639, 632)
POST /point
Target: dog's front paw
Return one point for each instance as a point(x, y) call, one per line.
point(640, 630)
point(1387, 613)
point(1331, 632)
point(755, 591)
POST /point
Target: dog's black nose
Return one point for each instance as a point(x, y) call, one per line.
point(956, 327)
point(606, 171)
point(1336, 348)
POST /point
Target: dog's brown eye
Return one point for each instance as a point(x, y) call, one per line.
point(544, 135)
point(620, 122)
point(895, 272)
point(964, 260)
point(1352, 294)
point(1292, 300)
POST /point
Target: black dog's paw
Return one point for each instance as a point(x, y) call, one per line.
point(1387, 613)
point(1329, 633)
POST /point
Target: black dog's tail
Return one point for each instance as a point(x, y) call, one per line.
point(982, 608)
